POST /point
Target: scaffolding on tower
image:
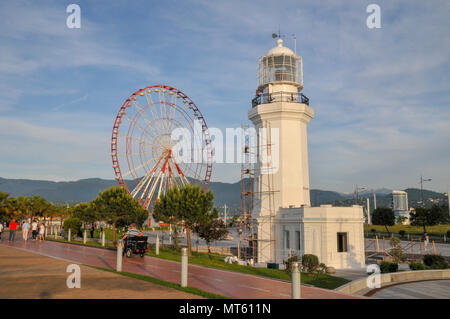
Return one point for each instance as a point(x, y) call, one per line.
point(257, 197)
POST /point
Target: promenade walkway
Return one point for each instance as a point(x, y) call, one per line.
point(227, 283)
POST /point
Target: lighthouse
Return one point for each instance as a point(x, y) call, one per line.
point(280, 107)
point(286, 224)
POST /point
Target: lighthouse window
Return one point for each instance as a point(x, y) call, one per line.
point(342, 242)
point(297, 240)
point(288, 243)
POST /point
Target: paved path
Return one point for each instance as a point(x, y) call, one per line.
point(435, 289)
point(227, 283)
point(29, 275)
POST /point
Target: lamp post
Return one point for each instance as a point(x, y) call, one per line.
point(421, 188)
point(448, 202)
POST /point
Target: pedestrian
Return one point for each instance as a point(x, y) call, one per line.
point(41, 232)
point(34, 229)
point(12, 230)
point(63, 233)
point(1, 230)
point(25, 228)
point(426, 240)
point(101, 227)
point(92, 231)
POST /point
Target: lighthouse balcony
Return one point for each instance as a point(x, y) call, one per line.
point(265, 98)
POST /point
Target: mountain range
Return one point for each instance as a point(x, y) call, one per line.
point(85, 190)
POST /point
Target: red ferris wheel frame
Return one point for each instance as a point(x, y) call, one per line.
point(163, 159)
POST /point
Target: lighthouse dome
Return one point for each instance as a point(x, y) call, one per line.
point(280, 50)
point(280, 66)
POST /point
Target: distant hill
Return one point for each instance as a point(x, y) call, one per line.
point(85, 190)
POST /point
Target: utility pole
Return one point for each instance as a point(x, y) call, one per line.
point(369, 219)
point(225, 213)
point(374, 200)
point(448, 200)
point(421, 188)
point(357, 189)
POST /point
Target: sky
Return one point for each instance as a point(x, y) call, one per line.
point(381, 96)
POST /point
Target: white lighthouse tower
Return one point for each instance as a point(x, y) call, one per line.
point(286, 224)
point(280, 106)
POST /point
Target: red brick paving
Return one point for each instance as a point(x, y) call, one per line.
point(227, 283)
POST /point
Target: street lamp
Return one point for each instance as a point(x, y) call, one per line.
point(421, 187)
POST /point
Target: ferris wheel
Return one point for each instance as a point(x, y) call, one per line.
point(144, 155)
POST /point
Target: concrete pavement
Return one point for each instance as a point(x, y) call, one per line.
point(435, 289)
point(24, 274)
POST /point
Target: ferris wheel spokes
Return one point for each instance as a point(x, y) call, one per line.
point(148, 117)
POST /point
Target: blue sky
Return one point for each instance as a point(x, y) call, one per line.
point(381, 96)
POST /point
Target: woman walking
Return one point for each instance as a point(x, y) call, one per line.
point(41, 232)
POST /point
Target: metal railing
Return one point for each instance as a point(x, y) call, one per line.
point(279, 97)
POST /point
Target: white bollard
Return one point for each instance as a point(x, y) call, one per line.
point(103, 238)
point(295, 281)
point(184, 267)
point(84, 237)
point(119, 256)
point(157, 244)
point(69, 235)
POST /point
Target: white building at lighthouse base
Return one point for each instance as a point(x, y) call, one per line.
point(334, 234)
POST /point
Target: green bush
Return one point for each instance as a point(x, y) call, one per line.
point(401, 233)
point(416, 265)
point(435, 261)
point(387, 266)
point(310, 263)
point(288, 263)
point(448, 233)
point(72, 223)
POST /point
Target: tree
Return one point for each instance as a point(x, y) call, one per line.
point(72, 223)
point(38, 206)
point(422, 216)
point(84, 212)
point(211, 229)
point(383, 216)
point(3, 207)
point(396, 251)
point(116, 206)
point(401, 219)
point(186, 205)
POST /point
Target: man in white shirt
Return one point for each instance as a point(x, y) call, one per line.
point(34, 227)
point(25, 229)
point(1, 229)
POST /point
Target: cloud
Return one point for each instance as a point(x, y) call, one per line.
point(380, 96)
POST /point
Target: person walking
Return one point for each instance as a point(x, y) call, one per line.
point(25, 228)
point(1, 230)
point(426, 241)
point(12, 230)
point(41, 232)
point(34, 229)
point(92, 231)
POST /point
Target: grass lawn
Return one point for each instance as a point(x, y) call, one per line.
point(438, 230)
point(157, 281)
